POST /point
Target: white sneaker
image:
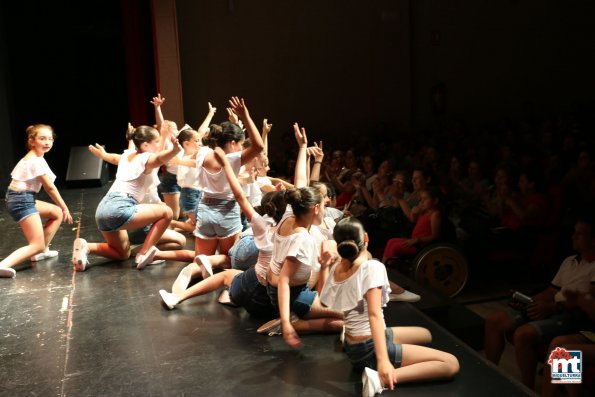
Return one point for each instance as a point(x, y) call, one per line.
point(371, 383)
point(182, 281)
point(405, 296)
point(143, 260)
point(170, 300)
point(273, 327)
point(7, 272)
point(80, 250)
point(205, 265)
point(44, 255)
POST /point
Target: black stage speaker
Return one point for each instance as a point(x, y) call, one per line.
point(84, 169)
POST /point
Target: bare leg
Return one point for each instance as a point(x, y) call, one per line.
point(210, 284)
point(319, 311)
point(496, 326)
point(226, 243)
point(329, 325)
point(176, 255)
point(34, 233)
point(525, 343)
point(422, 363)
point(173, 202)
point(117, 245)
point(157, 214)
point(54, 217)
point(205, 246)
point(411, 335)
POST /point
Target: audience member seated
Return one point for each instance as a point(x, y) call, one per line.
point(550, 314)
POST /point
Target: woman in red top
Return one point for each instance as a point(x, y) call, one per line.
point(427, 227)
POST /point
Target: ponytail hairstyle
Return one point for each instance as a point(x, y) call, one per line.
point(207, 139)
point(33, 130)
point(226, 132)
point(142, 134)
point(349, 235)
point(302, 199)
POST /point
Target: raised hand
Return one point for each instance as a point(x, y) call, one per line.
point(97, 150)
point(158, 100)
point(212, 109)
point(232, 116)
point(266, 127)
point(300, 136)
point(316, 151)
point(239, 107)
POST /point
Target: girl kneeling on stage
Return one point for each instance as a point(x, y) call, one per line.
point(120, 210)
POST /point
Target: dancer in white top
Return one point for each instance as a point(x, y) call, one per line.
point(120, 210)
point(218, 222)
point(29, 175)
point(295, 254)
point(248, 288)
point(358, 286)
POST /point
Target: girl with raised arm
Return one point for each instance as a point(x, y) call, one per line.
point(218, 221)
point(248, 288)
point(30, 174)
point(120, 210)
point(295, 256)
point(358, 287)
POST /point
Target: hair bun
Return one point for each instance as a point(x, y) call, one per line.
point(348, 249)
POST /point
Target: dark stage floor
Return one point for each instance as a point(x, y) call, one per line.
point(104, 333)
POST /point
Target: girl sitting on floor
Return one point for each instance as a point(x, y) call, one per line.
point(359, 288)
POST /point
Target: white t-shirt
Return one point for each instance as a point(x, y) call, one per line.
point(188, 177)
point(300, 246)
point(216, 185)
point(169, 167)
point(321, 234)
point(25, 174)
point(130, 177)
point(573, 275)
point(150, 188)
point(347, 296)
point(262, 229)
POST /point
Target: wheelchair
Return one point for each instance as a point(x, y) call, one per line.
point(440, 265)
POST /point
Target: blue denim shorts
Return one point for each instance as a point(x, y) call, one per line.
point(20, 205)
point(217, 218)
point(169, 184)
point(248, 292)
point(243, 253)
point(189, 198)
point(301, 299)
point(115, 211)
point(362, 354)
point(566, 323)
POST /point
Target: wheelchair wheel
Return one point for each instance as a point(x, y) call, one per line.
point(441, 267)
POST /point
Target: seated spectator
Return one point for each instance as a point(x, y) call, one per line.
point(427, 227)
point(550, 314)
point(529, 207)
point(583, 341)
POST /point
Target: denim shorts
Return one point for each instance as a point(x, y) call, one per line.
point(189, 198)
point(20, 205)
point(566, 323)
point(115, 211)
point(169, 184)
point(362, 354)
point(243, 253)
point(217, 218)
point(301, 299)
point(248, 292)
